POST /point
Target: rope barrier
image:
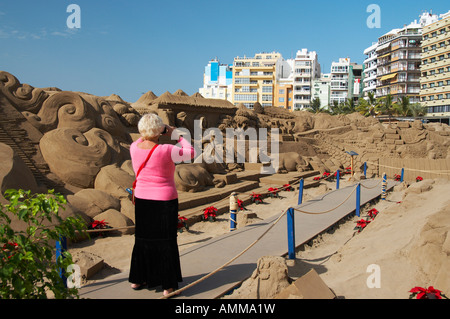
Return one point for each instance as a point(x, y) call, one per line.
point(366, 187)
point(327, 211)
point(444, 172)
point(227, 263)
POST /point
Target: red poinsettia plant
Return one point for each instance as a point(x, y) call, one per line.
point(397, 177)
point(209, 213)
point(98, 224)
point(325, 175)
point(273, 192)
point(241, 205)
point(419, 179)
point(348, 170)
point(361, 224)
point(9, 249)
point(372, 213)
point(428, 293)
point(288, 188)
point(256, 198)
point(182, 223)
point(317, 178)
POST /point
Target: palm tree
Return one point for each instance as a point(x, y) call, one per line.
point(418, 110)
point(372, 103)
point(315, 106)
point(386, 106)
point(363, 107)
point(403, 108)
point(335, 108)
point(349, 106)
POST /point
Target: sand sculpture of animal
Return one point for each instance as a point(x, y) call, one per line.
point(292, 162)
point(192, 177)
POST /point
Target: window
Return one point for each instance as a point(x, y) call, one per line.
point(267, 97)
point(441, 83)
point(433, 60)
point(441, 57)
point(434, 34)
point(431, 97)
point(440, 96)
point(424, 86)
point(432, 85)
point(441, 70)
point(434, 47)
point(442, 44)
point(281, 99)
point(281, 91)
point(442, 31)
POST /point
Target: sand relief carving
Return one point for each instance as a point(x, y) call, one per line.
point(86, 138)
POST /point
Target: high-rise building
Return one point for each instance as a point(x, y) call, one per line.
point(339, 80)
point(321, 90)
point(398, 66)
point(217, 81)
point(435, 68)
point(392, 65)
point(370, 70)
point(306, 69)
point(254, 79)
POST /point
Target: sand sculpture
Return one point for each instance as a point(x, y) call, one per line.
point(78, 143)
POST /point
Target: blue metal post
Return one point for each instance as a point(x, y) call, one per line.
point(300, 191)
point(291, 233)
point(383, 187)
point(358, 200)
point(365, 169)
point(233, 210)
point(403, 174)
point(338, 177)
point(61, 247)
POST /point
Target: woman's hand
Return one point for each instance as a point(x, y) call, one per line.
point(170, 130)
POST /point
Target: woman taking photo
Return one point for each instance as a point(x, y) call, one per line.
point(155, 258)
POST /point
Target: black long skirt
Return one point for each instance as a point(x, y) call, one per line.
point(155, 259)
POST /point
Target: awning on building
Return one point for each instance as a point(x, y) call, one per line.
point(389, 76)
point(383, 56)
point(384, 46)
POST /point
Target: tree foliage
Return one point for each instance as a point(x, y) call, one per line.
point(28, 267)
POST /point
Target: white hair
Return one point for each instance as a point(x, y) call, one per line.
point(150, 125)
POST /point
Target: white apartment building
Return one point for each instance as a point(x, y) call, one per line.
point(321, 90)
point(306, 69)
point(370, 70)
point(339, 80)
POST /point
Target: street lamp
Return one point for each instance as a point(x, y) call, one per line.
point(352, 154)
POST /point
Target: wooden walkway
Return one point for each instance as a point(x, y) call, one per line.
point(200, 260)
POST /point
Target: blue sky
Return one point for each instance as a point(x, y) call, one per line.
point(131, 47)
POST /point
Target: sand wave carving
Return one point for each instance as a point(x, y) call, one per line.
point(23, 96)
point(77, 157)
point(63, 109)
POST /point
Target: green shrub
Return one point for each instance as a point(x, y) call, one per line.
point(28, 267)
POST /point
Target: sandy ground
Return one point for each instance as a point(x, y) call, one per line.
point(406, 245)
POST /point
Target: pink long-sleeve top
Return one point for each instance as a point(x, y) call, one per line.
point(156, 179)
